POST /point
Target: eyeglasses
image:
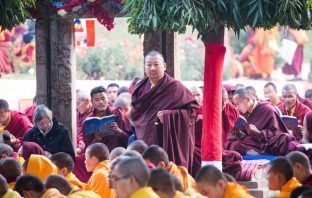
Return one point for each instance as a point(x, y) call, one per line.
point(115, 179)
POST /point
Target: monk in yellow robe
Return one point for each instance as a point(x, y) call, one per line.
point(211, 182)
point(281, 177)
point(5, 191)
point(65, 165)
point(130, 178)
point(158, 156)
point(97, 162)
point(11, 169)
point(36, 190)
point(39, 165)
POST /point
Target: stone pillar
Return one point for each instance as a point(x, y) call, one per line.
point(56, 69)
point(169, 45)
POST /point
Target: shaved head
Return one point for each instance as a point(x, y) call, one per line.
point(5, 150)
point(155, 154)
point(4, 187)
point(272, 85)
point(116, 152)
point(138, 145)
point(283, 166)
point(252, 92)
point(209, 174)
point(135, 167)
point(153, 54)
point(132, 153)
point(59, 182)
point(162, 181)
point(242, 92)
point(98, 150)
point(290, 88)
point(10, 168)
point(298, 157)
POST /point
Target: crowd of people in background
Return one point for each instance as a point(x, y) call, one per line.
point(153, 148)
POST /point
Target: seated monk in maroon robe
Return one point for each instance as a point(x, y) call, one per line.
point(270, 94)
point(15, 122)
point(84, 109)
point(118, 138)
point(265, 132)
point(198, 95)
point(120, 127)
point(302, 168)
point(164, 112)
point(293, 107)
point(307, 128)
point(231, 160)
point(29, 111)
point(306, 101)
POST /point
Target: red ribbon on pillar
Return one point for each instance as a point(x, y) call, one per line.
point(212, 123)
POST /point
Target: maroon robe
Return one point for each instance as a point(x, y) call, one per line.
point(117, 139)
point(300, 111)
point(306, 101)
point(31, 148)
point(308, 181)
point(29, 112)
point(79, 120)
point(177, 134)
point(309, 125)
point(229, 116)
point(18, 126)
point(276, 136)
point(198, 135)
point(295, 67)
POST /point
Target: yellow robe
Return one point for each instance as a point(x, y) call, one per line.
point(181, 173)
point(83, 194)
point(53, 193)
point(98, 181)
point(41, 166)
point(288, 187)
point(75, 181)
point(144, 193)
point(234, 190)
point(11, 194)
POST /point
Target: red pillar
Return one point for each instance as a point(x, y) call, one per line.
point(212, 124)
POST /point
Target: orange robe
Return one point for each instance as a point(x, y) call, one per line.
point(144, 192)
point(41, 166)
point(75, 181)
point(98, 181)
point(84, 194)
point(289, 187)
point(181, 173)
point(234, 190)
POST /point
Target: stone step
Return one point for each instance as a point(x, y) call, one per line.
point(254, 184)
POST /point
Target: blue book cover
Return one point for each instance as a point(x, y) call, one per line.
point(241, 122)
point(290, 121)
point(93, 125)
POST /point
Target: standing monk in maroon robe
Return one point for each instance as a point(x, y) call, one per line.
point(265, 132)
point(14, 122)
point(293, 107)
point(164, 112)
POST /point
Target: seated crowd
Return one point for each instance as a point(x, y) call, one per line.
point(38, 158)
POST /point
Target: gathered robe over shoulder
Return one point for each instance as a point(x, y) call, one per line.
point(288, 188)
point(115, 140)
point(177, 133)
point(300, 111)
point(18, 126)
point(275, 134)
point(234, 190)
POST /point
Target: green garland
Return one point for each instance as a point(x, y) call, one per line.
point(174, 15)
point(14, 12)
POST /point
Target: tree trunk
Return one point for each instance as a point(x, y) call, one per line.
point(212, 124)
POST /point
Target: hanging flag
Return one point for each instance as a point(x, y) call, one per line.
point(84, 32)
